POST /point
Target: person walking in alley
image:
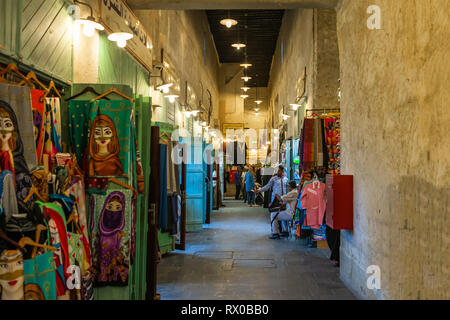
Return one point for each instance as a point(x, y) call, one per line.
point(237, 182)
point(250, 186)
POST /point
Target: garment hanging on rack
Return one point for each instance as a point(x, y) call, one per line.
point(313, 201)
point(79, 129)
point(18, 100)
point(163, 212)
point(40, 276)
point(115, 114)
point(111, 235)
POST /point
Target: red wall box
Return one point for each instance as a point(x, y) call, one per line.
point(339, 190)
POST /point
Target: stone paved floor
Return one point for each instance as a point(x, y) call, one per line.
point(232, 258)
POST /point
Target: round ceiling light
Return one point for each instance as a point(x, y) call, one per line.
point(238, 45)
point(228, 22)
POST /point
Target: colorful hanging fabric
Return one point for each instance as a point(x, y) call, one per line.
point(14, 157)
point(111, 237)
point(40, 277)
point(308, 145)
point(79, 129)
point(37, 105)
point(19, 101)
point(54, 104)
point(110, 138)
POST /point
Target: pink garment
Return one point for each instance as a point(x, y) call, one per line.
point(313, 200)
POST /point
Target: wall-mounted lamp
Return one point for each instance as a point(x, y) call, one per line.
point(171, 97)
point(121, 38)
point(89, 24)
point(164, 87)
point(294, 106)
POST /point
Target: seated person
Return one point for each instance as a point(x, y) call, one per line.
point(290, 199)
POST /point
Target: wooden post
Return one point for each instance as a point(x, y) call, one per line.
point(152, 236)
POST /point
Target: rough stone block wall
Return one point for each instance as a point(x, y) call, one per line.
point(395, 141)
point(326, 80)
point(182, 34)
point(297, 36)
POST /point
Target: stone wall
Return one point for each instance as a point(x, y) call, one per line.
point(326, 75)
point(297, 39)
point(395, 142)
point(309, 42)
point(185, 36)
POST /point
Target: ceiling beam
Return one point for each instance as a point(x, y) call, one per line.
point(229, 4)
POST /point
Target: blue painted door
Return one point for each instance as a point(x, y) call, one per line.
point(195, 181)
point(207, 148)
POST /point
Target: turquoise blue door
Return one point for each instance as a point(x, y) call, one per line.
point(195, 181)
point(207, 149)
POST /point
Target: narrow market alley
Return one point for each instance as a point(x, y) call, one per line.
point(233, 259)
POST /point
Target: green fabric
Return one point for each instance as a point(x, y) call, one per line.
point(41, 271)
point(79, 127)
point(120, 113)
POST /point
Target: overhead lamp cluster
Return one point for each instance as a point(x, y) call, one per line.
point(90, 25)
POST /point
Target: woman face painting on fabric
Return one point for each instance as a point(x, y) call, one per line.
point(11, 275)
point(104, 148)
point(11, 152)
point(111, 225)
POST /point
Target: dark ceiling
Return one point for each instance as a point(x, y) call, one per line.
point(260, 36)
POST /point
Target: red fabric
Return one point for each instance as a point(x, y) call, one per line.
point(6, 163)
point(308, 145)
point(62, 231)
point(38, 106)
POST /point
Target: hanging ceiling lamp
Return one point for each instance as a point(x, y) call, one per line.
point(228, 22)
point(89, 24)
point(245, 89)
point(121, 38)
point(246, 65)
point(238, 45)
point(258, 102)
point(244, 96)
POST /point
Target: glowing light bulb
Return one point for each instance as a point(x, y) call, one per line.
point(171, 97)
point(228, 22)
point(245, 89)
point(258, 102)
point(246, 78)
point(295, 106)
point(244, 96)
point(120, 38)
point(89, 26)
point(88, 30)
point(121, 43)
